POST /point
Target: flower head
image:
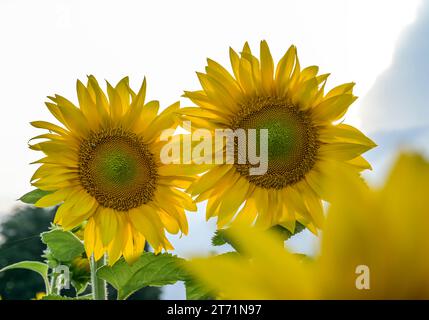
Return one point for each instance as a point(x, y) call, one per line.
point(304, 138)
point(103, 166)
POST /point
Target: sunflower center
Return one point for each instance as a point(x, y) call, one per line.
point(116, 168)
point(292, 140)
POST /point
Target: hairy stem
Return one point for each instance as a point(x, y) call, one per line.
point(99, 291)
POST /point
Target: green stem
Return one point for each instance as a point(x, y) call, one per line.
point(54, 283)
point(99, 291)
point(47, 286)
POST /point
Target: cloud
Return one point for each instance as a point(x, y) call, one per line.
point(395, 111)
point(399, 99)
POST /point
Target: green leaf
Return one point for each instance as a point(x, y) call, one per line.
point(33, 196)
point(36, 266)
point(149, 270)
point(285, 233)
point(80, 286)
point(50, 259)
point(57, 297)
point(197, 291)
point(80, 274)
point(63, 245)
point(219, 238)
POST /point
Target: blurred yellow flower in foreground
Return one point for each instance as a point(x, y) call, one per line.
point(39, 296)
point(375, 246)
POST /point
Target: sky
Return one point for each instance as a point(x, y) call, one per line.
point(395, 111)
point(46, 45)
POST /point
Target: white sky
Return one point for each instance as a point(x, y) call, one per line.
point(46, 45)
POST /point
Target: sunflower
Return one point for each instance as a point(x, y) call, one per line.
point(102, 167)
point(374, 247)
point(304, 136)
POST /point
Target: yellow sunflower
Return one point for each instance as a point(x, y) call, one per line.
point(304, 136)
point(103, 167)
point(374, 247)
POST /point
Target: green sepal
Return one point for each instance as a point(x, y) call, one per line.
point(33, 196)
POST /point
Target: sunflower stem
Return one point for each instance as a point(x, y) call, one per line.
point(99, 291)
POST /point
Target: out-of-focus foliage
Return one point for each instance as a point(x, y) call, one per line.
point(20, 240)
